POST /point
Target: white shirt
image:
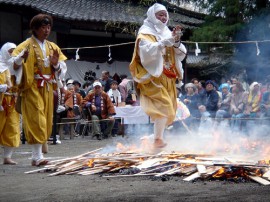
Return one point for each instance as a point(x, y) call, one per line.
point(114, 94)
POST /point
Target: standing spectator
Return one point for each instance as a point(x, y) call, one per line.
point(155, 66)
point(237, 106)
point(102, 110)
point(106, 80)
point(123, 87)
point(10, 121)
point(44, 62)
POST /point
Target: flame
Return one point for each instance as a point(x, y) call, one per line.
point(90, 163)
point(219, 173)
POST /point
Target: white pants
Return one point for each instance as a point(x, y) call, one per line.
point(8, 151)
point(159, 127)
point(37, 152)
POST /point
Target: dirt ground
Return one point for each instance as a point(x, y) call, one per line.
point(17, 186)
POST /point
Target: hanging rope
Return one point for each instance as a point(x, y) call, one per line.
point(187, 42)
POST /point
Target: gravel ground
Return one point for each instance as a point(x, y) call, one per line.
point(17, 186)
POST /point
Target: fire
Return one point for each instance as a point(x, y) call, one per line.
point(90, 163)
point(122, 148)
point(230, 172)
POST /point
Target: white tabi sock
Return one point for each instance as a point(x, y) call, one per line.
point(37, 152)
point(8, 151)
point(159, 127)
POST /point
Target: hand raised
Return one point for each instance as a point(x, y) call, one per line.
point(54, 57)
point(177, 32)
point(25, 54)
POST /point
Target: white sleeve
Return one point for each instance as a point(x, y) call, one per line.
point(63, 68)
point(151, 57)
point(16, 72)
point(119, 96)
point(180, 54)
point(3, 88)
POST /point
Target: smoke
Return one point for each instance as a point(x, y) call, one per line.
point(219, 139)
point(252, 141)
point(212, 138)
point(246, 55)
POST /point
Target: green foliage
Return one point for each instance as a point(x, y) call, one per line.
point(226, 18)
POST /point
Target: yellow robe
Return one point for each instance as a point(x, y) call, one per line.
point(157, 94)
point(37, 102)
point(9, 118)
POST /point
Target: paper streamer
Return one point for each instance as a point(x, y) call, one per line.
point(197, 50)
point(77, 57)
point(258, 50)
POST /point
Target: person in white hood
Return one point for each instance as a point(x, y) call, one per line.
point(9, 118)
point(155, 67)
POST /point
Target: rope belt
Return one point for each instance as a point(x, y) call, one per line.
point(10, 94)
point(44, 78)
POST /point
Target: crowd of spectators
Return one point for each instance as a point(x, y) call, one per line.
point(229, 102)
point(209, 103)
point(96, 100)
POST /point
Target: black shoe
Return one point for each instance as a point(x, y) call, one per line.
point(98, 136)
point(105, 137)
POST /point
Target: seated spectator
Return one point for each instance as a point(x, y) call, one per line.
point(209, 100)
point(101, 109)
point(191, 100)
point(252, 107)
point(72, 101)
point(253, 104)
point(77, 86)
point(195, 81)
point(114, 93)
point(237, 106)
point(132, 98)
point(179, 93)
point(224, 105)
point(86, 87)
point(70, 106)
point(201, 89)
point(265, 103)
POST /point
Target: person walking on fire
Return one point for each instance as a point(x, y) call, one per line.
point(155, 67)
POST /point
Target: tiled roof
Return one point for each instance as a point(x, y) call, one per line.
point(101, 11)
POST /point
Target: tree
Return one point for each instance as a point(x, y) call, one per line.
point(226, 18)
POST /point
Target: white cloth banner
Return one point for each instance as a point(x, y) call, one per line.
point(132, 115)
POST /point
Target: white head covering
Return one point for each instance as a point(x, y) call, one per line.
point(5, 57)
point(251, 87)
point(154, 26)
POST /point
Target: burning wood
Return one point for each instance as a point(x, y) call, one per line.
point(131, 164)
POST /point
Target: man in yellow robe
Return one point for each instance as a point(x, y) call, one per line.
point(9, 118)
point(155, 66)
point(42, 64)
